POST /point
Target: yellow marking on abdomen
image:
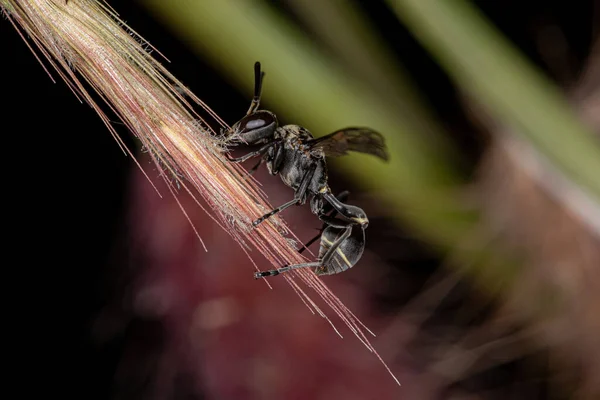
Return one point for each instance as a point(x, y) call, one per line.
point(339, 251)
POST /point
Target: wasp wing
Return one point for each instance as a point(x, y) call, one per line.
point(361, 140)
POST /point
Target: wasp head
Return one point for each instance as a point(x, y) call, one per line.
point(256, 128)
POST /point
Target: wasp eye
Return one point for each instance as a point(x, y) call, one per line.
point(257, 127)
point(254, 124)
point(256, 121)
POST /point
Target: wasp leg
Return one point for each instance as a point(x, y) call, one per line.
point(275, 211)
point(336, 222)
point(253, 169)
point(300, 194)
point(322, 262)
point(328, 208)
point(311, 241)
point(331, 251)
point(281, 270)
point(258, 78)
point(343, 196)
point(248, 156)
point(277, 158)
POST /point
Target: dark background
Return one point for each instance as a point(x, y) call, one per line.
point(65, 186)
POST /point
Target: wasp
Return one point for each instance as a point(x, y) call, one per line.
point(293, 153)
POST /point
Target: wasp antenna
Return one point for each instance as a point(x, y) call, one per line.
point(258, 77)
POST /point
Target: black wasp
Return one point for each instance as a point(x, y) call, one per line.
point(293, 153)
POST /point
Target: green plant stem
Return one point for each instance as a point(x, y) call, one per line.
point(483, 63)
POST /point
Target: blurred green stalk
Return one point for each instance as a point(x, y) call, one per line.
point(352, 40)
point(483, 63)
